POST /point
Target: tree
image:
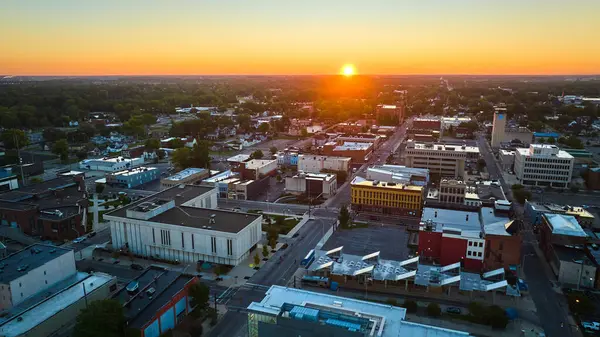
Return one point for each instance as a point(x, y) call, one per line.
point(258, 154)
point(304, 133)
point(36, 180)
point(496, 317)
point(152, 144)
point(542, 140)
point(273, 150)
point(551, 140)
point(199, 295)
point(265, 251)
point(272, 236)
point(244, 121)
point(480, 164)
point(200, 155)
point(264, 127)
point(279, 178)
point(99, 188)
point(103, 318)
point(410, 306)
point(256, 260)
point(181, 158)
point(177, 143)
point(12, 137)
point(161, 154)
point(61, 148)
point(344, 217)
point(434, 310)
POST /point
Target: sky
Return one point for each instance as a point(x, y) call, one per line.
point(210, 37)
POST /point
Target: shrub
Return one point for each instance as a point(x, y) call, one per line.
point(410, 306)
point(434, 310)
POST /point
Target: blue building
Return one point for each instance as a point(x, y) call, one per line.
point(133, 177)
point(287, 158)
point(545, 135)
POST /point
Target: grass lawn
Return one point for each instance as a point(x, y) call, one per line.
point(285, 224)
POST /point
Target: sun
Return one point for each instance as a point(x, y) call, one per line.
point(348, 70)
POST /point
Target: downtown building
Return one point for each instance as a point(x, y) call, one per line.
point(386, 197)
point(543, 165)
point(182, 224)
point(441, 160)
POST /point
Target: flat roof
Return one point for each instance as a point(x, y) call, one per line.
point(46, 186)
point(141, 309)
point(322, 158)
point(44, 310)
point(561, 154)
point(177, 193)
point(359, 181)
point(31, 258)
point(133, 171)
point(186, 173)
point(467, 222)
point(238, 158)
point(388, 319)
point(444, 147)
point(112, 160)
point(224, 221)
point(258, 163)
point(564, 225)
point(349, 146)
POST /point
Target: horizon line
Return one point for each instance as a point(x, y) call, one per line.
point(331, 74)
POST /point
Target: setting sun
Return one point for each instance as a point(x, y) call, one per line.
point(348, 70)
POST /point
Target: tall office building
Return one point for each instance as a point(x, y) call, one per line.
point(498, 127)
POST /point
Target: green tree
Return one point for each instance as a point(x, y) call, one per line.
point(177, 143)
point(256, 260)
point(200, 155)
point(496, 317)
point(61, 148)
point(152, 144)
point(434, 310)
point(99, 188)
point(244, 121)
point(542, 140)
point(279, 178)
point(12, 137)
point(103, 318)
point(181, 158)
point(304, 133)
point(480, 164)
point(264, 127)
point(410, 306)
point(199, 295)
point(36, 180)
point(272, 236)
point(273, 150)
point(551, 140)
point(258, 154)
point(344, 217)
point(265, 251)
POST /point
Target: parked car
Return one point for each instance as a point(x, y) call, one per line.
point(594, 326)
point(78, 240)
point(116, 261)
point(453, 310)
point(91, 234)
point(136, 266)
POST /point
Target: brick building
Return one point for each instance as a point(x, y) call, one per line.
point(55, 209)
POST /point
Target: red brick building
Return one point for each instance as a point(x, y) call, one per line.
point(359, 152)
point(55, 209)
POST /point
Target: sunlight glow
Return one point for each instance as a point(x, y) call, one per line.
point(348, 70)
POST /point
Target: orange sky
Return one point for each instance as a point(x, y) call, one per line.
point(68, 37)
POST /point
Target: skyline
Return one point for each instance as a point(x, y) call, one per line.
point(464, 37)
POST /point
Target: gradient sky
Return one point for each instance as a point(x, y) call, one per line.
point(122, 37)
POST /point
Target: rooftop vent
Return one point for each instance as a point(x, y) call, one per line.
point(212, 219)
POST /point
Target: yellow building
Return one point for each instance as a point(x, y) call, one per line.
point(386, 198)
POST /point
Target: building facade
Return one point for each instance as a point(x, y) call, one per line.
point(188, 176)
point(498, 126)
point(452, 191)
point(358, 152)
point(312, 184)
point(133, 177)
point(182, 224)
point(316, 164)
point(442, 160)
point(389, 114)
point(111, 164)
point(543, 165)
point(386, 198)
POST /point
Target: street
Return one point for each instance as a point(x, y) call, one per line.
point(551, 307)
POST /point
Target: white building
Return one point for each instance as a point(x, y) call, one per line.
point(297, 312)
point(316, 184)
point(316, 164)
point(399, 174)
point(31, 270)
point(111, 164)
point(444, 160)
point(261, 167)
point(507, 159)
point(447, 122)
point(182, 224)
point(543, 165)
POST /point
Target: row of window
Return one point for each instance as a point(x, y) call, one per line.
point(545, 177)
point(473, 254)
point(550, 172)
point(547, 160)
point(385, 203)
point(165, 239)
point(476, 244)
point(437, 153)
point(386, 196)
point(452, 190)
point(549, 166)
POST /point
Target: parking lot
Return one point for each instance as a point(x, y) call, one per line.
point(390, 240)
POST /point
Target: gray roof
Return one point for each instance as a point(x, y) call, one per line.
point(180, 195)
point(565, 225)
point(32, 257)
point(225, 221)
point(141, 309)
point(46, 186)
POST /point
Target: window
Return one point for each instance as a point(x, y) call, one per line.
point(165, 237)
point(20, 285)
point(470, 243)
point(229, 247)
point(182, 241)
point(192, 241)
point(501, 246)
point(481, 244)
point(469, 253)
point(479, 254)
point(213, 245)
point(46, 281)
point(44, 272)
point(153, 236)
